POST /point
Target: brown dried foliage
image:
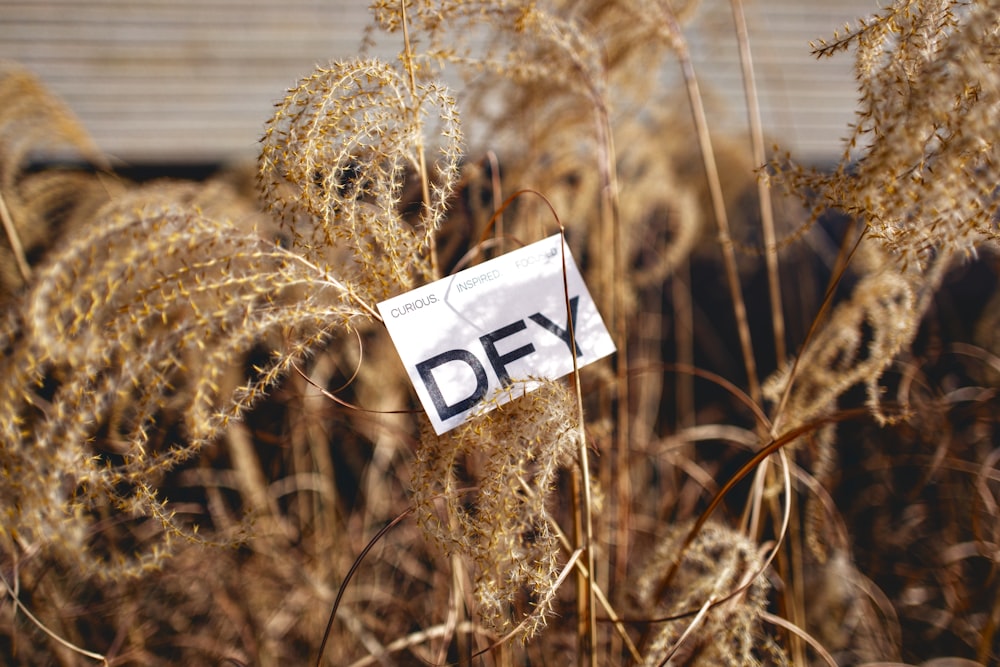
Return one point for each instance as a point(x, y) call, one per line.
point(177, 486)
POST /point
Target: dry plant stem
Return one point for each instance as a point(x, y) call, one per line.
point(763, 183)
point(753, 509)
point(579, 538)
point(350, 574)
point(586, 518)
point(801, 634)
point(776, 444)
point(847, 251)
point(986, 641)
point(41, 626)
point(590, 639)
point(15, 241)
point(456, 616)
point(341, 287)
point(415, 639)
point(692, 626)
point(611, 211)
point(497, 192)
point(610, 214)
point(460, 604)
point(680, 292)
point(795, 594)
point(793, 597)
point(603, 599)
point(790, 561)
point(764, 471)
point(580, 479)
point(425, 190)
point(598, 593)
point(786, 514)
point(718, 203)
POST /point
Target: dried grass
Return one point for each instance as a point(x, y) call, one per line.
point(208, 444)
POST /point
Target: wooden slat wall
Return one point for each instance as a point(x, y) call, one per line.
point(176, 80)
point(805, 103)
point(194, 80)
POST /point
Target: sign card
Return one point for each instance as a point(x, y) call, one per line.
point(464, 337)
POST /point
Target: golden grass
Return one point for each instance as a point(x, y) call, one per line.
point(211, 454)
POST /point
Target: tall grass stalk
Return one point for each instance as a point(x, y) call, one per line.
point(707, 154)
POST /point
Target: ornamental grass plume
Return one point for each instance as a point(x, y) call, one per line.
point(333, 164)
point(130, 326)
point(35, 127)
point(146, 313)
point(492, 478)
point(920, 163)
point(157, 317)
point(714, 603)
point(861, 338)
point(919, 172)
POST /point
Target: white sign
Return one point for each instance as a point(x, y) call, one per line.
point(463, 337)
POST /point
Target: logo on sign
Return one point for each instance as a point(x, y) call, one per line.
point(465, 336)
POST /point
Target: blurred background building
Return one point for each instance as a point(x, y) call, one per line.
point(186, 82)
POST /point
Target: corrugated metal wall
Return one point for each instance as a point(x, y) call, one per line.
point(194, 80)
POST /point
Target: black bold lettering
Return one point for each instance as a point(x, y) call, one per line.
point(444, 410)
point(500, 361)
point(563, 334)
